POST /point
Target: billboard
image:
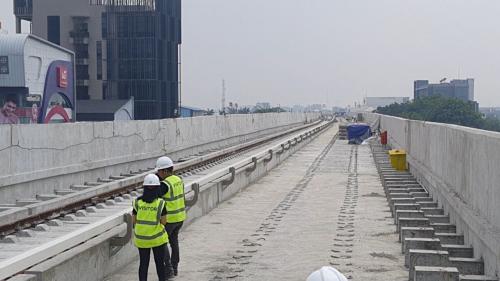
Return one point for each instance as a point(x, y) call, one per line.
point(18, 105)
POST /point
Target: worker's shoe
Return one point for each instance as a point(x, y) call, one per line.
point(169, 273)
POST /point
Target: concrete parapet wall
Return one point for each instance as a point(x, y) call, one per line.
point(41, 158)
point(460, 167)
point(97, 258)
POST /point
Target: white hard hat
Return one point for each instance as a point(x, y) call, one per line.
point(326, 273)
point(151, 180)
point(164, 163)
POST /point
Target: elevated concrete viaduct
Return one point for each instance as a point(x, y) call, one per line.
point(270, 197)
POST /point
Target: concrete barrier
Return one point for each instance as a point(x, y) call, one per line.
point(98, 257)
point(459, 166)
point(38, 159)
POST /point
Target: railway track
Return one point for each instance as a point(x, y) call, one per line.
point(35, 232)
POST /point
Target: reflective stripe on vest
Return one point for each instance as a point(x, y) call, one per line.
point(176, 208)
point(149, 232)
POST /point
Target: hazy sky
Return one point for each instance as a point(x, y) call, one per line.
point(330, 51)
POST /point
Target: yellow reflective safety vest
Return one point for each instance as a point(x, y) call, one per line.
point(176, 208)
point(149, 232)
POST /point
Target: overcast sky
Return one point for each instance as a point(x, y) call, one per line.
point(329, 51)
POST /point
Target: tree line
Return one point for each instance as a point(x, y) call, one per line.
point(443, 110)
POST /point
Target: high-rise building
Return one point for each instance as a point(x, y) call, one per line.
point(460, 89)
point(123, 48)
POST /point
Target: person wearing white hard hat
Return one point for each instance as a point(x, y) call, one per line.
point(149, 219)
point(172, 191)
point(326, 273)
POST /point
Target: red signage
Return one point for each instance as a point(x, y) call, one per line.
point(62, 77)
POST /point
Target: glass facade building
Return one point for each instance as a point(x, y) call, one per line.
point(142, 53)
point(123, 48)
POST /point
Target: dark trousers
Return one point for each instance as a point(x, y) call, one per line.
point(159, 256)
point(168, 265)
point(173, 238)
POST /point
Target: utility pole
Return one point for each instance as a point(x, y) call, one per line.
point(223, 110)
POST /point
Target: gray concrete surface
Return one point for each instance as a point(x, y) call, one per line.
point(96, 258)
point(320, 207)
point(37, 159)
point(427, 273)
point(23, 277)
point(459, 166)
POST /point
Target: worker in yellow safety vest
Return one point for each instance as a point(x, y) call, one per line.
point(172, 191)
point(149, 219)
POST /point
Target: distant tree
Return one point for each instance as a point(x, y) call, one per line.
point(443, 110)
point(233, 108)
point(491, 124)
point(243, 110)
point(210, 112)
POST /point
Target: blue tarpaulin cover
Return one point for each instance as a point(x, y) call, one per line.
point(357, 133)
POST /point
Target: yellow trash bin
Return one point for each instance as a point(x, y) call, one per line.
point(398, 159)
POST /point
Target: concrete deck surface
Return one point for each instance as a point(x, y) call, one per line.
point(320, 207)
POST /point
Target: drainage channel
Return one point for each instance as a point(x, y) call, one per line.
point(433, 249)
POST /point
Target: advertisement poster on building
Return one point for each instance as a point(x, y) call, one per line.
point(37, 81)
point(17, 107)
point(34, 113)
point(8, 111)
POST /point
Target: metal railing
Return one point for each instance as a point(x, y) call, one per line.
point(23, 12)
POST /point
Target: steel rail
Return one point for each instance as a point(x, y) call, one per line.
point(24, 217)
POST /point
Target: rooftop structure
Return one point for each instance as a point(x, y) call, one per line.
point(105, 110)
point(189, 111)
point(459, 89)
